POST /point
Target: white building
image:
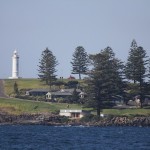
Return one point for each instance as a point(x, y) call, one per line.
point(73, 113)
point(15, 66)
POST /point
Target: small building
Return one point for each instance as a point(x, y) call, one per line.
point(63, 93)
point(49, 95)
point(37, 92)
point(73, 113)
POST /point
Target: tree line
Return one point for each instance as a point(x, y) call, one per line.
point(47, 64)
point(107, 76)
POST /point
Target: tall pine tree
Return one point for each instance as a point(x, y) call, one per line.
point(130, 69)
point(105, 79)
point(149, 70)
point(79, 61)
point(47, 67)
point(136, 67)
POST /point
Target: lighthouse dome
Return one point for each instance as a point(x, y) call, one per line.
point(15, 51)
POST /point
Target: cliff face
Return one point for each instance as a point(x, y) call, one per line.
point(51, 119)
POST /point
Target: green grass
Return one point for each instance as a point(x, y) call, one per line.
point(23, 84)
point(27, 84)
point(17, 106)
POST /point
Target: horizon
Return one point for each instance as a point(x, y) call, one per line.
point(31, 26)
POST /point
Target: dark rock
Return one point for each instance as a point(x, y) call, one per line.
point(51, 119)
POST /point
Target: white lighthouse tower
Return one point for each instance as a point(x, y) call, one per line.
point(15, 65)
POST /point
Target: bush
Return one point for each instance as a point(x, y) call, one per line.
point(35, 98)
point(23, 91)
point(72, 84)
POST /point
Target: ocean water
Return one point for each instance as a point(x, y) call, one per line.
point(38, 137)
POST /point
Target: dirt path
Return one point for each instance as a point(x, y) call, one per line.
point(2, 93)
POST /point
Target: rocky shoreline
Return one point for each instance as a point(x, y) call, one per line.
point(124, 121)
point(51, 119)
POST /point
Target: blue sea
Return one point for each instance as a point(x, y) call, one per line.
point(39, 137)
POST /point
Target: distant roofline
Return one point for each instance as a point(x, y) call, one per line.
point(70, 110)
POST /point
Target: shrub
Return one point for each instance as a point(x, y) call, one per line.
point(72, 84)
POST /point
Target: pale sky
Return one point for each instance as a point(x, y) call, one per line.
point(61, 25)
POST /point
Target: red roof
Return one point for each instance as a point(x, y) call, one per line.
point(71, 77)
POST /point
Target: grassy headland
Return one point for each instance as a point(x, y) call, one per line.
point(18, 106)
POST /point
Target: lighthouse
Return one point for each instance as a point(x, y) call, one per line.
point(15, 66)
